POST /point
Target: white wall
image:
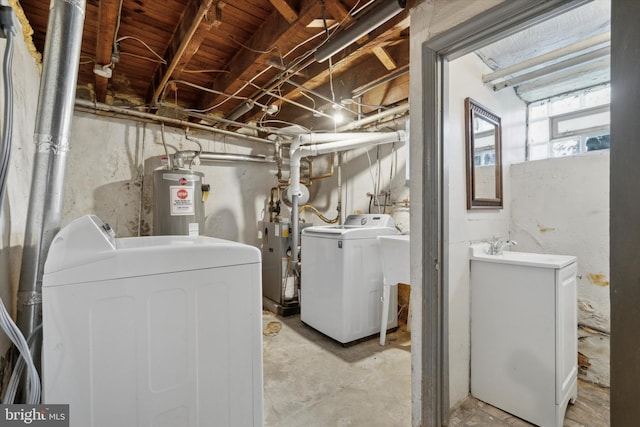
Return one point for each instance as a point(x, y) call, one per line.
point(359, 178)
point(109, 173)
point(562, 206)
point(26, 80)
point(462, 225)
point(110, 165)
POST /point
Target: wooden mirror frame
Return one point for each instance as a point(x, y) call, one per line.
point(474, 109)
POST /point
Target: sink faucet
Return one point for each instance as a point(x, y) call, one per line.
point(496, 246)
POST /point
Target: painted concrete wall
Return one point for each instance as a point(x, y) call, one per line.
point(110, 174)
point(364, 170)
point(26, 80)
point(111, 162)
point(562, 206)
point(465, 225)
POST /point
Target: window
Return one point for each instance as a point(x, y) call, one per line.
point(569, 125)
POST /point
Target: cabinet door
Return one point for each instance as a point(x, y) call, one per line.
point(566, 330)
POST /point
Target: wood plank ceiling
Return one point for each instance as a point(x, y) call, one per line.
point(216, 56)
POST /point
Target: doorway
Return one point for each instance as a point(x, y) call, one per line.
point(431, 369)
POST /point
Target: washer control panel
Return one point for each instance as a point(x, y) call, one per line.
point(370, 220)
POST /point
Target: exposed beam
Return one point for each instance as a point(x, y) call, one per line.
point(342, 61)
point(275, 31)
point(191, 31)
point(212, 19)
point(285, 10)
point(108, 12)
point(385, 87)
point(337, 10)
point(384, 57)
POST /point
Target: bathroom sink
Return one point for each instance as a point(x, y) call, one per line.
point(479, 252)
point(395, 258)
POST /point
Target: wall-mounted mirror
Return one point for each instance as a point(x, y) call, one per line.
point(484, 157)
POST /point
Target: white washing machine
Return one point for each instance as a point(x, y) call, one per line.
point(152, 331)
point(341, 286)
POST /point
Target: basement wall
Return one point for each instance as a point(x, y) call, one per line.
point(561, 206)
point(110, 174)
point(110, 166)
point(463, 226)
point(382, 167)
point(26, 81)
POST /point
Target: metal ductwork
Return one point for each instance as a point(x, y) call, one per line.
point(52, 128)
point(383, 10)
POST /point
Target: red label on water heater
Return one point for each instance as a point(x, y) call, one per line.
point(182, 202)
point(182, 181)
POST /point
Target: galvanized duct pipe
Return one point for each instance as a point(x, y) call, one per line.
point(383, 11)
point(53, 124)
point(331, 142)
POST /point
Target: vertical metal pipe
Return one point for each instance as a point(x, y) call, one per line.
point(331, 142)
point(52, 128)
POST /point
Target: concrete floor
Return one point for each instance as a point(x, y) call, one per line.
point(312, 381)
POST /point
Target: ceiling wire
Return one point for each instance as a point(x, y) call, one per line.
point(160, 58)
point(115, 34)
point(146, 58)
point(89, 61)
point(216, 92)
point(204, 71)
point(285, 74)
point(239, 43)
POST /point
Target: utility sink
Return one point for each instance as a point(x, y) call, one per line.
point(524, 333)
point(395, 258)
point(479, 252)
point(394, 251)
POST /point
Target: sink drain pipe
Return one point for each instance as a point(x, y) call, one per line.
point(53, 124)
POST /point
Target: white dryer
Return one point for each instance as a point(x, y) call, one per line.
point(341, 286)
point(162, 330)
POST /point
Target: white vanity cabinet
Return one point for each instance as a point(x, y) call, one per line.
point(524, 334)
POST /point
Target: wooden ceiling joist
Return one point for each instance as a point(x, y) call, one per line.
point(285, 10)
point(384, 57)
point(337, 10)
point(319, 72)
point(199, 17)
point(346, 85)
point(275, 31)
point(109, 11)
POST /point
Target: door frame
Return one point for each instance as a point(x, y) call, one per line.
point(429, 188)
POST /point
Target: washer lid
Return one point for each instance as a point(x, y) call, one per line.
point(345, 232)
point(87, 251)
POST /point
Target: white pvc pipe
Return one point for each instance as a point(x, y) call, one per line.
point(553, 55)
point(335, 142)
